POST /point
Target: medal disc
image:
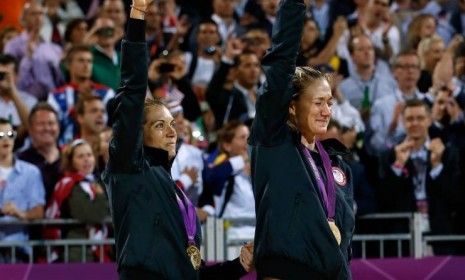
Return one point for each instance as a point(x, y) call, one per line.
point(336, 232)
point(194, 255)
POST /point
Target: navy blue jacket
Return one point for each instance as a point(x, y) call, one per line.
point(292, 238)
point(150, 235)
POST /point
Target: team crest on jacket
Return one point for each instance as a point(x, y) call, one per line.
point(339, 176)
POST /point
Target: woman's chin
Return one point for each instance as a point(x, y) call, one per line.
point(171, 153)
point(321, 131)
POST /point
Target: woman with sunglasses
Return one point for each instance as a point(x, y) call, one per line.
point(22, 194)
point(303, 190)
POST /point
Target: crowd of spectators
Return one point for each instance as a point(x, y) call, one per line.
point(398, 72)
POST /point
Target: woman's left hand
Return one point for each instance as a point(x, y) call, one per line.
point(246, 257)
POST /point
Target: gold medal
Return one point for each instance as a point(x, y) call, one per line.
point(194, 254)
point(336, 232)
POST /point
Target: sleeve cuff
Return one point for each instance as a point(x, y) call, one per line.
point(135, 31)
point(397, 170)
point(185, 181)
point(209, 209)
point(237, 163)
point(227, 60)
point(434, 173)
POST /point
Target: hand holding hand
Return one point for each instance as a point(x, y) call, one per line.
point(246, 257)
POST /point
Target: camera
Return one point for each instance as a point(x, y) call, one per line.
point(166, 68)
point(2, 76)
point(211, 50)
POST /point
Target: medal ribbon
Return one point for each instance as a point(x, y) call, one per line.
point(189, 217)
point(328, 191)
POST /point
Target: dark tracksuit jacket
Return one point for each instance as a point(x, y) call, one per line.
point(150, 236)
point(292, 237)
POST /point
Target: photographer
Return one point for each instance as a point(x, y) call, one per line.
point(107, 59)
point(203, 61)
point(232, 91)
point(14, 104)
point(168, 82)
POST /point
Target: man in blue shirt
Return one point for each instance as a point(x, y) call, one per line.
point(22, 195)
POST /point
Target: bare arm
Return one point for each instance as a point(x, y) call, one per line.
point(324, 56)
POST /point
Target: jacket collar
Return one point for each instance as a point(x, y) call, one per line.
point(332, 146)
point(158, 157)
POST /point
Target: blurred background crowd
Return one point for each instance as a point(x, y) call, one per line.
point(398, 70)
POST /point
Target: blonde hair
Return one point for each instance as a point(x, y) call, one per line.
point(414, 29)
point(425, 45)
point(304, 77)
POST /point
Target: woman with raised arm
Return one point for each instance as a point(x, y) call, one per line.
point(303, 190)
point(157, 233)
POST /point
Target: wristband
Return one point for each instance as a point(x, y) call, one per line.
point(138, 9)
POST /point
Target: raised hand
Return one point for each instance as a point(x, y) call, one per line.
point(141, 3)
point(403, 152)
point(234, 48)
point(436, 149)
point(138, 8)
point(340, 25)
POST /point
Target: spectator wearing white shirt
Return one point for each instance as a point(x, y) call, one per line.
point(14, 104)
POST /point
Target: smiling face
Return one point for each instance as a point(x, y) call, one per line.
point(159, 129)
point(311, 111)
point(44, 128)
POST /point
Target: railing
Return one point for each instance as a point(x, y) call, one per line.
point(414, 236)
point(217, 246)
